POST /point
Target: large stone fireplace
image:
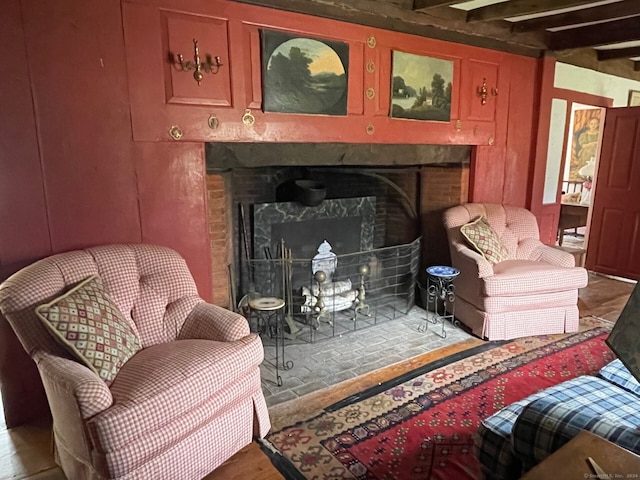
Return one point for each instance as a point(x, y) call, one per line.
point(410, 186)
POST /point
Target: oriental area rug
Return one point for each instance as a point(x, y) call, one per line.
point(420, 426)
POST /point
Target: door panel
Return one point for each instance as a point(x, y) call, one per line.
point(179, 31)
point(481, 74)
point(615, 219)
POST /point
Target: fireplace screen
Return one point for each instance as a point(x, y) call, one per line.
point(357, 290)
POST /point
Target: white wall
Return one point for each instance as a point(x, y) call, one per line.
point(584, 80)
point(554, 150)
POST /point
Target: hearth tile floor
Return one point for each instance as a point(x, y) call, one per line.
point(330, 361)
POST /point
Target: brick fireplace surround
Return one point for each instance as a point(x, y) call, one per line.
point(413, 184)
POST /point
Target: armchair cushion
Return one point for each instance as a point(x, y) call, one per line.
point(88, 323)
point(527, 277)
point(485, 240)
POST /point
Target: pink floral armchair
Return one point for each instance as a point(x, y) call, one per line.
point(531, 290)
point(186, 400)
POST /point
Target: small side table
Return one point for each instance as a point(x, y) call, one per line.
point(570, 460)
point(270, 313)
point(440, 293)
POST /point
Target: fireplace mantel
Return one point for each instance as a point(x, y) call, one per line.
point(222, 156)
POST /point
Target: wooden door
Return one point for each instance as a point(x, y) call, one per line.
point(614, 238)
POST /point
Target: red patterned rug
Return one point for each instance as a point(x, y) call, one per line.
point(420, 426)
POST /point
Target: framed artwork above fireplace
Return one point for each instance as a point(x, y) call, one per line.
point(421, 87)
point(304, 75)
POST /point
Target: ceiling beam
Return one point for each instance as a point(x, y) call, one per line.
point(616, 53)
point(426, 4)
point(515, 8)
point(616, 31)
point(586, 15)
point(397, 16)
point(587, 58)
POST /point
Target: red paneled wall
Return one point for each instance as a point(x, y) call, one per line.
point(23, 215)
point(501, 173)
point(72, 176)
point(79, 91)
point(521, 115)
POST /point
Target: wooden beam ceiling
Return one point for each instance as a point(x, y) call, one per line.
point(398, 15)
point(427, 4)
point(617, 53)
point(576, 17)
point(617, 31)
point(561, 34)
point(516, 8)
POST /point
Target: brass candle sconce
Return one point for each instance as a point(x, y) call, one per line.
point(199, 67)
point(483, 92)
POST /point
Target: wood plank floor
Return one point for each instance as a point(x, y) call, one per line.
point(25, 451)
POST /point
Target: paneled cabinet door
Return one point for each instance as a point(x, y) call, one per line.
point(479, 90)
point(181, 36)
point(169, 97)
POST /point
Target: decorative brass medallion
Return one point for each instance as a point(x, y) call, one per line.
point(213, 122)
point(370, 129)
point(248, 118)
point(371, 41)
point(175, 132)
point(458, 126)
point(371, 66)
point(371, 93)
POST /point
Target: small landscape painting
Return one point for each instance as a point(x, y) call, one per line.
point(421, 87)
point(304, 75)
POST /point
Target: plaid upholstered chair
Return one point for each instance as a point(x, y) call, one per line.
point(510, 284)
point(143, 378)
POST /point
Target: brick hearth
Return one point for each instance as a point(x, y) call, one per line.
point(326, 363)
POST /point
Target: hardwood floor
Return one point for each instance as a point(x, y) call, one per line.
point(25, 451)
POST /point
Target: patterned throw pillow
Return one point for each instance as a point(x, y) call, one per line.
point(88, 323)
point(485, 241)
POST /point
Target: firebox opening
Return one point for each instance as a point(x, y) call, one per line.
point(410, 185)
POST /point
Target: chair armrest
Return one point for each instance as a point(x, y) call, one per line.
point(71, 382)
point(533, 249)
point(556, 256)
point(545, 425)
point(469, 262)
point(211, 322)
